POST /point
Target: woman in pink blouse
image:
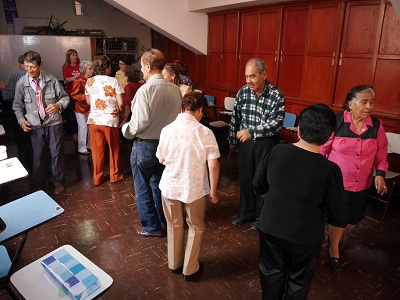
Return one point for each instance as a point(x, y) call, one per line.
point(190, 154)
point(358, 145)
point(104, 94)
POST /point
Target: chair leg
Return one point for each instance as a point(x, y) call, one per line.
point(389, 197)
point(11, 293)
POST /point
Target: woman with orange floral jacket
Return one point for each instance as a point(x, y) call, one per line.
point(81, 107)
point(104, 94)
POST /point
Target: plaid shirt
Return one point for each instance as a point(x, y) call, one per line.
point(9, 91)
point(263, 116)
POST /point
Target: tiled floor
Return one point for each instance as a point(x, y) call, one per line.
point(100, 222)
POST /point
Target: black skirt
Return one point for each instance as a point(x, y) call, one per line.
point(357, 203)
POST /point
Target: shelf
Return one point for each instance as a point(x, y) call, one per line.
point(117, 45)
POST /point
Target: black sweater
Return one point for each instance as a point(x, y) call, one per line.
point(303, 190)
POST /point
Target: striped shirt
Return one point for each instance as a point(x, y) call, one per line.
point(262, 116)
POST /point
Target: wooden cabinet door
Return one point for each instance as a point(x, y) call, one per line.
point(293, 42)
point(201, 69)
point(229, 50)
point(356, 59)
point(222, 46)
point(387, 70)
point(318, 81)
point(268, 40)
point(215, 45)
point(248, 43)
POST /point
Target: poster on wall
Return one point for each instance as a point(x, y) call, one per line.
point(10, 10)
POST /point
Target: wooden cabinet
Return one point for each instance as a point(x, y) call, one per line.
point(293, 42)
point(222, 47)
point(315, 52)
point(370, 53)
point(357, 48)
point(308, 62)
point(320, 63)
point(268, 40)
point(259, 37)
point(248, 42)
point(387, 67)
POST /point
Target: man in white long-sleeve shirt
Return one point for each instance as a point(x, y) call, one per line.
point(155, 105)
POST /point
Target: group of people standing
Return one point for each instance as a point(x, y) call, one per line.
point(288, 191)
point(99, 102)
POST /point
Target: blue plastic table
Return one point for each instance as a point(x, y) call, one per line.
point(20, 216)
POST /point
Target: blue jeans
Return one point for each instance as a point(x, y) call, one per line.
point(147, 173)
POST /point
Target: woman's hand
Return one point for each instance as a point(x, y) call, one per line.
point(213, 197)
point(380, 185)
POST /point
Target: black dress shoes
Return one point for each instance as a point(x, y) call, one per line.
point(334, 263)
point(254, 226)
point(142, 232)
point(195, 276)
point(177, 270)
point(239, 220)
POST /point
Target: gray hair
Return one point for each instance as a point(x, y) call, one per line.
point(84, 64)
point(353, 92)
point(259, 63)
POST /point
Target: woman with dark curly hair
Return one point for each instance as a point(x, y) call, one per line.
point(183, 69)
point(104, 94)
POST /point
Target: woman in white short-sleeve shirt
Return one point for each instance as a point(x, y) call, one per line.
point(190, 154)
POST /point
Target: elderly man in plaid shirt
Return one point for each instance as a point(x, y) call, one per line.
point(255, 128)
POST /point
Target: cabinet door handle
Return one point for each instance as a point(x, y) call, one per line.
point(276, 54)
point(333, 58)
point(340, 59)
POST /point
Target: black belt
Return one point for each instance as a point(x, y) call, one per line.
point(147, 140)
point(274, 137)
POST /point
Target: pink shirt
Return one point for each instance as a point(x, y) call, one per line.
point(185, 146)
point(357, 153)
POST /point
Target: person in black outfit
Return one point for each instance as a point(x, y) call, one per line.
point(303, 190)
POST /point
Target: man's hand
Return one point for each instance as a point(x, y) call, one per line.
point(51, 109)
point(25, 125)
point(243, 135)
point(2, 86)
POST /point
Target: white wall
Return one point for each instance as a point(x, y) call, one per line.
point(100, 16)
point(52, 49)
point(216, 5)
point(172, 19)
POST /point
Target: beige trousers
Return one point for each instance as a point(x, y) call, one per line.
point(177, 255)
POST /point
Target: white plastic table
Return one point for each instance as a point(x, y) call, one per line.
point(11, 169)
point(33, 283)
